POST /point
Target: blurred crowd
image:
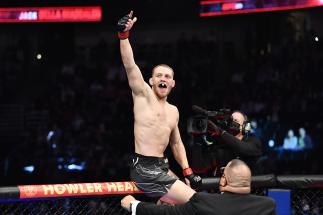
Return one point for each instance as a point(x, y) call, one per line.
point(72, 120)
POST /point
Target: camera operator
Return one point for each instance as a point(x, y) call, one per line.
point(231, 141)
point(235, 142)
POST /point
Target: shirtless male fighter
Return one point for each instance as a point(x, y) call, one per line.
point(155, 126)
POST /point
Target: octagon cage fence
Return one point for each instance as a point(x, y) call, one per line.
point(304, 195)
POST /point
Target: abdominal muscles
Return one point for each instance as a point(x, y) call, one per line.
point(151, 139)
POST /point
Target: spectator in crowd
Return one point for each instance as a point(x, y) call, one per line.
point(290, 141)
point(304, 140)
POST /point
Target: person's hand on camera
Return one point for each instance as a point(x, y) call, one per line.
point(124, 25)
point(214, 129)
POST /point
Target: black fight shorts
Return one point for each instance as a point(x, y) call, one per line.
point(150, 175)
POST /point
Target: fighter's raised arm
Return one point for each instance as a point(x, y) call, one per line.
point(135, 78)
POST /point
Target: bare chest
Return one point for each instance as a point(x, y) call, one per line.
point(156, 115)
point(163, 116)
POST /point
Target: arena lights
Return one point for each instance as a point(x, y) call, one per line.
point(38, 56)
point(29, 169)
point(51, 14)
point(224, 7)
point(271, 143)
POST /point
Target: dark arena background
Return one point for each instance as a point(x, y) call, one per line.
point(66, 117)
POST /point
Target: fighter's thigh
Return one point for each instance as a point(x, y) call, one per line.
point(179, 191)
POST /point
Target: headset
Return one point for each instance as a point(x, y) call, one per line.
point(246, 127)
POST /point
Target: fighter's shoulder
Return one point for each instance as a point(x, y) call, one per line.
point(147, 89)
point(173, 108)
point(144, 92)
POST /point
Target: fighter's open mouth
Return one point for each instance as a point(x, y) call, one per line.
point(162, 85)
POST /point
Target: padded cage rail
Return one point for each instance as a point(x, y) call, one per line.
point(104, 197)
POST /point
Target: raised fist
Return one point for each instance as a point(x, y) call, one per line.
point(124, 25)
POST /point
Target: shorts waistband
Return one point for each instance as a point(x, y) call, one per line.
point(148, 158)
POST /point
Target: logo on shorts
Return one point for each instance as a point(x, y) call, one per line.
point(166, 160)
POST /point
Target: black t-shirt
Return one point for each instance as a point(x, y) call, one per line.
point(223, 149)
point(226, 147)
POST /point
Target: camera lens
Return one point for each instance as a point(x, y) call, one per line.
point(200, 124)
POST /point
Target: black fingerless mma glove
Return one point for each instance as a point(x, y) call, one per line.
point(122, 35)
point(195, 180)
